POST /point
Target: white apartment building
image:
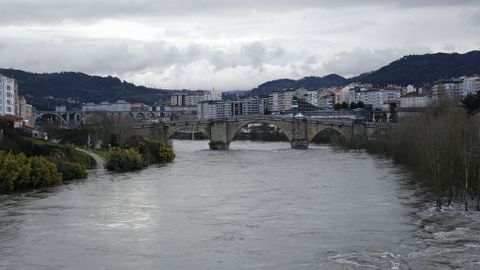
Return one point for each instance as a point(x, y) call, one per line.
point(282, 100)
point(375, 97)
point(8, 95)
point(312, 97)
point(194, 98)
point(213, 109)
point(470, 85)
point(415, 100)
point(457, 88)
point(326, 99)
point(224, 109)
point(410, 89)
point(119, 106)
point(452, 87)
point(177, 100)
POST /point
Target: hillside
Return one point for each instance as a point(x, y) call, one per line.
point(307, 82)
point(414, 69)
point(422, 69)
point(45, 91)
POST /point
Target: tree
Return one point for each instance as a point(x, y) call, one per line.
point(472, 102)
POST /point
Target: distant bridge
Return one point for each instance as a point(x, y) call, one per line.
point(73, 119)
point(299, 131)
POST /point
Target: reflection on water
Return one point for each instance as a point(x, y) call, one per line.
point(257, 206)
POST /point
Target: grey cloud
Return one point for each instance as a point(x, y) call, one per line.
point(29, 11)
point(473, 17)
point(105, 56)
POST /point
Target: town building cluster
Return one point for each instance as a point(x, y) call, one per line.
point(14, 107)
point(118, 106)
point(209, 104)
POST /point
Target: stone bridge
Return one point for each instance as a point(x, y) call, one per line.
point(299, 131)
point(74, 119)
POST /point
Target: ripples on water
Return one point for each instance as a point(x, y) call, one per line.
point(257, 206)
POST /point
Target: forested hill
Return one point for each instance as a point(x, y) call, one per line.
point(414, 69)
point(307, 82)
point(47, 90)
point(422, 69)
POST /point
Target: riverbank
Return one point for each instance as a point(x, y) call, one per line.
point(31, 163)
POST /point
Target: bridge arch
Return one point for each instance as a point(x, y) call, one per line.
point(174, 129)
point(321, 129)
point(284, 126)
point(55, 115)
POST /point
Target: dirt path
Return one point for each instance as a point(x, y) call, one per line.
point(100, 161)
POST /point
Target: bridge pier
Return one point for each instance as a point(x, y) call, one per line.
point(300, 144)
point(220, 135)
point(218, 145)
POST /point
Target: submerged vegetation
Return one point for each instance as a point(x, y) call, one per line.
point(139, 154)
point(124, 160)
point(442, 147)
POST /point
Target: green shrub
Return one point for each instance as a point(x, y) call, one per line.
point(8, 172)
point(124, 160)
point(155, 152)
point(31, 147)
point(44, 173)
point(71, 170)
point(22, 172)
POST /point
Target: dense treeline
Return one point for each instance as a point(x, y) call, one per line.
point(139, 154)
point(441, 145)
point(21, 172)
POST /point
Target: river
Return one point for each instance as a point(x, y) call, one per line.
point(257, 206)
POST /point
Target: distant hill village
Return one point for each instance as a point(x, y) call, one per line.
point(202, 105)
point(408, 99)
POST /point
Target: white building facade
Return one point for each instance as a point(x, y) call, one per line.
point(194, 98)
point(470, 85)
point(452, 88)
point(415, 100)
point(119, 106)
point(375, 97)
point(224, 109)
point(8, 96)
point(282, 101)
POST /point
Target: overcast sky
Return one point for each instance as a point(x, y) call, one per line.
point(228, 44)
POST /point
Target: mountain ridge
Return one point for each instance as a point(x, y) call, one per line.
point(417, 70)
point(47, 90)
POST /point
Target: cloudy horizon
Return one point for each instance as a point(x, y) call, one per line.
point(229, 45)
